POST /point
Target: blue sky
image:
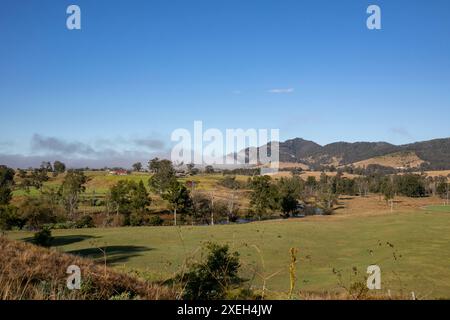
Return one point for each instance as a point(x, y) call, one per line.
point(140, 69)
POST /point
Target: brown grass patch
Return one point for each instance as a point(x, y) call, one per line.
point(394, 160)
point(34, 273)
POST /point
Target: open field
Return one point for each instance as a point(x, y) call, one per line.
point(443, 208)
point(411, 247)
point(410, 244)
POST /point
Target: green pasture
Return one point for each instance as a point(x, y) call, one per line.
point(411, 248)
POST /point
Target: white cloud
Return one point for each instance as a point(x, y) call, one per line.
point(281, 90)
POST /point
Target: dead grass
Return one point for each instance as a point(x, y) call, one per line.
point(34, 273)
point(376, 205)
point(394, 160)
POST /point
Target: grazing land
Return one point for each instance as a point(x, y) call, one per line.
point(412, 247)
point(408, 237)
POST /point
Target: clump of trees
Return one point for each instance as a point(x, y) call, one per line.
point(48, 208)
point(130, 199)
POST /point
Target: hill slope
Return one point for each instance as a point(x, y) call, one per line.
point(430, 155)
point(31, 272)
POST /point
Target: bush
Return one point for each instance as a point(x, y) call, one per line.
point(230, 182)
point(10, 219)
point(156, 221)
point(85, 222)
point(214, 277)
point(136, 219)
point(43, 238)
point(37, 212)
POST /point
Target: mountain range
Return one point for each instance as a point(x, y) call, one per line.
point(429, 155)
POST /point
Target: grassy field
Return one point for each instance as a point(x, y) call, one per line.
point(443, 208)
point(411, 245)
point(412, 249)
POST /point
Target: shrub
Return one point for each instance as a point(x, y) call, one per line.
point(136, 219)
point(10, 219)
point(85, 222)
point(43, 238)
point(212, 278)
point(230, 182)
point(156, 221)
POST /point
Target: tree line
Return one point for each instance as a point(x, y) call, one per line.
point(131, 200)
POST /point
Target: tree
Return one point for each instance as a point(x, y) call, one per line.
point(137, 166)
point(71, 188)
point(290, 190)
point(288, 204)
point(362, 185)
point(410, 185)
point(293, 186)
point(6, 182)
point(327, 195)
point(443, 189)
point(37, 178)
point(232, 207)
point(202, 207)
point(179, 199)
point(36, 213)
point(311, 185)
point(388, 190)
point(139, 196)
point(10, 218)
point(163, 175)
point(264, 195)
point(129, 198)
point(220, 209)
point(58, 167)
point(46, 166)
point(120, 196)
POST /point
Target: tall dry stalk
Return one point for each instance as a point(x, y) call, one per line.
point(292, 270)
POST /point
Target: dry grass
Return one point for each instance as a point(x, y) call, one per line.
point(347, 296)
point(376, 205)
point(394, 160)
point(440, 173)
point(34, 273)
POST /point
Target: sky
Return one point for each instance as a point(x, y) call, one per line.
point(114, 91)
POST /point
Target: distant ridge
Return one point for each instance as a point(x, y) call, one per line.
point(431, 155)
